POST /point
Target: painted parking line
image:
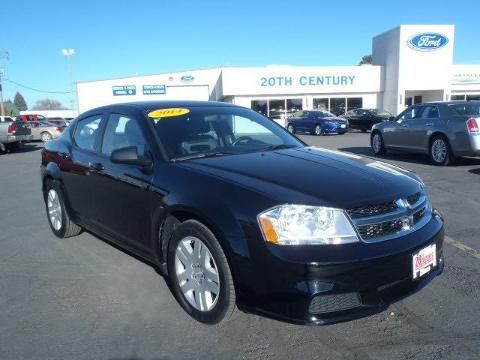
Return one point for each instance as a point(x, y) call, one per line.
point(463, 247)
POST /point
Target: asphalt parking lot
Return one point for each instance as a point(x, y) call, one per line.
point(81, 298)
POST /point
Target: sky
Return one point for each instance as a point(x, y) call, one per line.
point(122, 38)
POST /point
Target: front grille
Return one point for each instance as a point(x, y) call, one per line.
point(418, 215)
point(412, 199)
point(373, 210)
point(380, 229)
point(330, 303)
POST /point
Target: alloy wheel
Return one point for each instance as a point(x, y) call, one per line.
point(54, 209)
point(46, 137)
point(197, 273)
point(290, 128)
point(439, 150)
point(318, 130)
point(376, 143)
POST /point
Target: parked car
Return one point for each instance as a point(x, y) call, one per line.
point(443, 130)
point(318, 122)
point(44, 130)
point(60, 122)
point(364, 119)
point(12, 133)
point(235, 211)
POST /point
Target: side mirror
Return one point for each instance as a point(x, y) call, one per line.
point(129, 155)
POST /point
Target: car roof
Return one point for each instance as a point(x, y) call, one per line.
point(451, 102)
point(151, 105)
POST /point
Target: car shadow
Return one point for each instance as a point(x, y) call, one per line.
point(24, 148)
point(408, 157)
point(474, 171)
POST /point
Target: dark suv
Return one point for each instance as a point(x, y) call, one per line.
point(236, 211)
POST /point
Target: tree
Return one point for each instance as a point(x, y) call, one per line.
point(20, 102)
point(367, 59)
point(10, 108)
point(48, 104)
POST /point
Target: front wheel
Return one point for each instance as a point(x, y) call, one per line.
point(318, 130)
point(440, 152)
point(199, 274)
point(291, 129)
point(377, 143)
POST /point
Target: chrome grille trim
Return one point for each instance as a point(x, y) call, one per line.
point(405, 219)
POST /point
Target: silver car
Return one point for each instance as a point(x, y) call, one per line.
point(442, 130)
point(44, 131)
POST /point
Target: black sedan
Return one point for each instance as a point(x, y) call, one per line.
point(237, 212)
point(364, 119)
point(317, 122)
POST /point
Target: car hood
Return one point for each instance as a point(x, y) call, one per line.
point(337, 119)
point(312, 176)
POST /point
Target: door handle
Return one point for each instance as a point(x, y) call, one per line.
point(429, 124)
point(96, 166)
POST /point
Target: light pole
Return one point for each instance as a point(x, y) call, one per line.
point(3, 55)
point(68, 53)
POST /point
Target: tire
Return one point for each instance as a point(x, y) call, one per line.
point(377, 144)
point(46, 136)
point(60, 222)
point(318, 130)
point(291, 129)
point(189, 277)
point(440, 151)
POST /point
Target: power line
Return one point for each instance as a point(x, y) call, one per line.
point(37, 90)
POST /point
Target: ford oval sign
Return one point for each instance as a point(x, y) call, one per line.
point(427, 41)
point(187, 78)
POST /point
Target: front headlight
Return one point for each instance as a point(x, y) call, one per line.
point(306, 225)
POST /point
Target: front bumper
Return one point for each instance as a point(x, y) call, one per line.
point(326, 292)
point(335, 129)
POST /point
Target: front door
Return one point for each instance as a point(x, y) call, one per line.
point(419, 127)
point(122, 192)
point(397, 133)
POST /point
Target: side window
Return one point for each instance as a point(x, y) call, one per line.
point(411, 113)
point(122, 131)
point(430, 112)
point(86, 132)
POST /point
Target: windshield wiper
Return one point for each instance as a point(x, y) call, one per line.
point(278, 147)
point(202, 155)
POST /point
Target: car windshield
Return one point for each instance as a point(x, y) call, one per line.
point(379, 112)
point(213, 131)
point(323, 114)
point(466, 109)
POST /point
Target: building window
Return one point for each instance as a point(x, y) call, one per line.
point(260, 106)
point(473, 97)
point(337, 106)
point(354, 103)
point(417, 99)
point(276, 109)
point(321, 104)
point(457, 97)
point(293, 105)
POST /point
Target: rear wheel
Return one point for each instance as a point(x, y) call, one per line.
point(377, 144)
point(199, 273)
point(291, 129)
point(318, 130)
point(58, 218)
point(440, 151)
point(45, 136)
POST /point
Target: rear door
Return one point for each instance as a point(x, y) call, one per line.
point(78, 165)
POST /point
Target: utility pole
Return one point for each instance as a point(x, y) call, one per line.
point(3, 55)
point(68, 53)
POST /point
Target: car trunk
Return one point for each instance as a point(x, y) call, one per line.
point(21, 128)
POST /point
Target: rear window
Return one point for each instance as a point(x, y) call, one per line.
point(466, 109)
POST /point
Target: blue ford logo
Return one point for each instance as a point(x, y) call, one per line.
point(187, 78)
point(427, 41)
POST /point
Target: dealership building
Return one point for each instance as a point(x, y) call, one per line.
point(411, 64)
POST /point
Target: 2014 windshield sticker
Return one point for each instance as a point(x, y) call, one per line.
point(169, 112)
